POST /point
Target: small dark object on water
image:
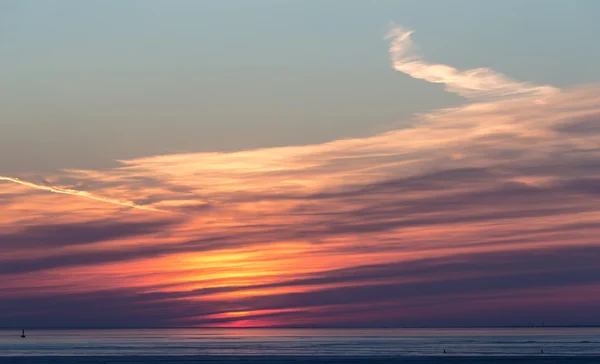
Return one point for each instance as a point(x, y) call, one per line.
point(542, 350)
point(444, 351)
point(23, 334)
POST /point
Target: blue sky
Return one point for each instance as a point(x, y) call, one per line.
point(83, 83)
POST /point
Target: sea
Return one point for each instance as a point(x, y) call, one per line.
point(202, 345)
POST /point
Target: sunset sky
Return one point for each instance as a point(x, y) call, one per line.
point(299, 163)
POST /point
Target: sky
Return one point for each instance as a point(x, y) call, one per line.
point(299, 163)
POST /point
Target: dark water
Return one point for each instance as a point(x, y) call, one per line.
point(303, 345)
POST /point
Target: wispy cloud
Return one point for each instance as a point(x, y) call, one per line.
point(479, 83)
point(68, 191)
point(475, 206)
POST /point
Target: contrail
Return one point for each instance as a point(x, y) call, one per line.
point(68, 191)
point(474, 83)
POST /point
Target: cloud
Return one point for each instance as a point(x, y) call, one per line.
point(489, 207)
point(470, 280)
point(61, 235)
point(479, 83)
point(85, 194)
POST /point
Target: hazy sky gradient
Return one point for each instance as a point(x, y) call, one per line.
point(277, 163)
point(85, 83)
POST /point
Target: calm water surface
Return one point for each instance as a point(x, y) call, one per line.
point(323, 342)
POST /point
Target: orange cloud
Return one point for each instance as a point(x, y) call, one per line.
point(467, 206)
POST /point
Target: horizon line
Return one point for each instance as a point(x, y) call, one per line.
point(300, 327)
